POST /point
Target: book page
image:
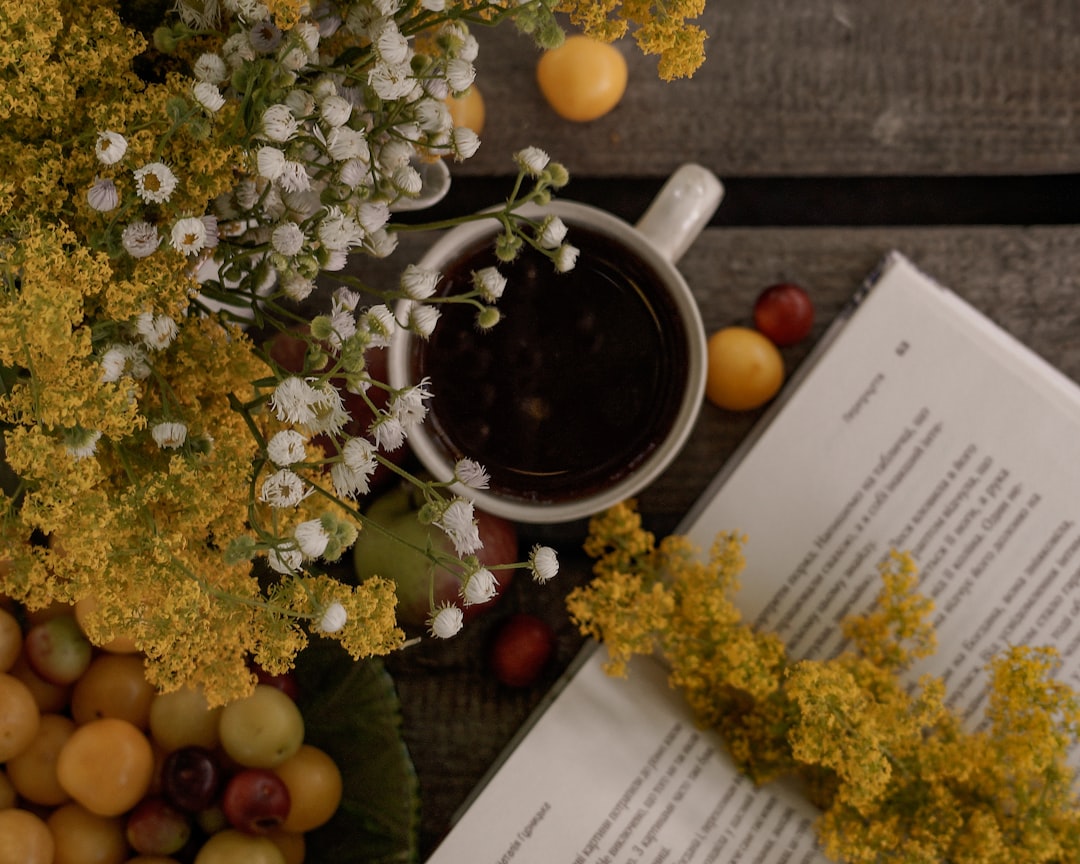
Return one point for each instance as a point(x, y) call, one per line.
point(923, 428)
point(920, 426)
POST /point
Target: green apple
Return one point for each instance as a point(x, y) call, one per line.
point(377, 553)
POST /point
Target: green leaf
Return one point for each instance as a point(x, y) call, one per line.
point(351, 711)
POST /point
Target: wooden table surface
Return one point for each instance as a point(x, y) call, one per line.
point(950, 132)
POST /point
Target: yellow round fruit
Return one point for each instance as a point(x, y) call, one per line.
point(11, 639)
point(467, 109)
point(25, 838)
point(33, 771)
point(120, 644)
point(106, 765)
point(231, 847)
point(83, 837)
point(261, 730)
point(314, 783)
point(183, 718)
point(8, 796)
point(745, 369)
point(114, 685)
point(582, 79)
point(19, 716)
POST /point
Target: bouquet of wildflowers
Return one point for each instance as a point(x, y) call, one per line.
point(175, 182)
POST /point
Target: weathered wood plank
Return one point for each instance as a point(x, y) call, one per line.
point(820, 87)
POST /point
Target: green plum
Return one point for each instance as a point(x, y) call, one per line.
point(378, 554)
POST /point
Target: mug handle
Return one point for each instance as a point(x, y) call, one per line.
point(681, 210)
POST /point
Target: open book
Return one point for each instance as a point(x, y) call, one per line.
point(916, 425)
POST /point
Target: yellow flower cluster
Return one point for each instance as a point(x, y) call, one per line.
point(659, 28)
point(897, 777)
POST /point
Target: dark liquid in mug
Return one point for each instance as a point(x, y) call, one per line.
point(577, 384)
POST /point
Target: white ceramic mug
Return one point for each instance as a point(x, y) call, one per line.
point(673, 220)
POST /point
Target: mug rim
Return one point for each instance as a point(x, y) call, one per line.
point(455, 240)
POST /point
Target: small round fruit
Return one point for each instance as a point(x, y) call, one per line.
point(315, 787)
point(33, 771)
point(11, 640)
point(745, 369)
point(8, 796)
point(83, 837)
point(25, 838)
point(106, 765)
point(58, 650)
point(119, 644)
point(261, 730)
point(256, 801)
point(114, 685)
point(191, 778)
point(48, 696)
point(582, 79)
point(233, 847)
point(521, 650)
point(183, 718)
point(784, 313)
point(19, 717)
point(155, 827)
point(468, 109)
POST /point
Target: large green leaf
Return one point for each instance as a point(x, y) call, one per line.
point(351, 711)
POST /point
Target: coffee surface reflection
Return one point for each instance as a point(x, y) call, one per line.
point(577, 384)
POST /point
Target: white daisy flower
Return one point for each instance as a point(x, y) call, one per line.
point(293, 401)
point(211, 68)
point(308, 34)
point(102, 195)
point(284, 488)
point(344, 143)
point(419, 283)
point(460, 74)
point(391, 46)
point(286, 447)
point(410, 405)
point(339, 231)
point(208, 95)
point(110, 147)
point(552, 232)
point(433, 115)
point(421, 318)
point(470, 473)
point(210, 226)
point(278, 123)
point(381, 243)
point(479, 587)
point(458, 522)
point(155, 182)
point(333, 618)
point(408, 180)
point(81, 443)
point(464, 142)
point(532, 160)
point(335, 111)
point(359, 455)
point(157, 331)
point(189, 235)
point(446, 621)
point(294, 177)
point(329, 411)
point(335, 259)
point(296, 287)
point(348, 483)
point(311, 537)
point(544, 563)
point(264, 36)
point(269, 162)
point(433, 5)
point(391, 83)
point(113, 364)
point(287, 238)
point(566, 257)
point(353, 172)
point(489, 282)
point(373, 215)
point(285, 560)
point(379, 322)
point(388, 432)
point(140, 239)
point(169, 435)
